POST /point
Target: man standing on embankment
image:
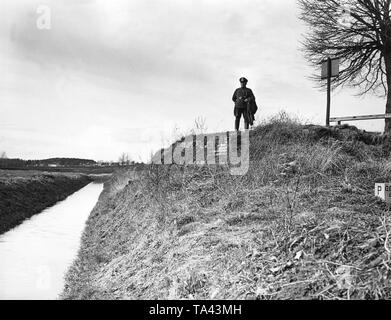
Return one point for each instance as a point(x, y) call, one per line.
point(244, 105)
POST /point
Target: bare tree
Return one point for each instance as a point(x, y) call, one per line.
point(363, 43)
point(3, 155)
point(124, 159)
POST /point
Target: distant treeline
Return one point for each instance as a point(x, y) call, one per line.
point(60, 164)
point(19, 163)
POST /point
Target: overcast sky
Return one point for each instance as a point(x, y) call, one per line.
point(120, 76)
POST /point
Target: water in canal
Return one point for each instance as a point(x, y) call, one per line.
point(35, 256)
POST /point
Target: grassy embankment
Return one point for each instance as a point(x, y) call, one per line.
point(302, 224)
point(26, 193)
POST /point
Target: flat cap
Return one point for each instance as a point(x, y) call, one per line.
point(243, 80)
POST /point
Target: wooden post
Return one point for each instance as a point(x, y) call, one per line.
point(328, 91)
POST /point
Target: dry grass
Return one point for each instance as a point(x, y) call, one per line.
point(302, 224)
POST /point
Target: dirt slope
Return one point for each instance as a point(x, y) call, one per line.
point(26, 193)
point(302, 224)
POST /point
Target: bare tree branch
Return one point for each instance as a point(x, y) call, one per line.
point(363, 44)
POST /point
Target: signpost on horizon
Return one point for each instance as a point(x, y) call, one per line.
point(330, 69)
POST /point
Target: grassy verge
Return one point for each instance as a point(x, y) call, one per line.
point(302, 224)
point(26, 193)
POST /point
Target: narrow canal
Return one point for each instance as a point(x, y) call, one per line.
point(35, 256)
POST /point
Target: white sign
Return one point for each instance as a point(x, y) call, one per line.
point(334, 68)
point(383, 191)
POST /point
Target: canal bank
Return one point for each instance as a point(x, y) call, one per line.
point(303, 223)
point(22, 195)
point(37, 253)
